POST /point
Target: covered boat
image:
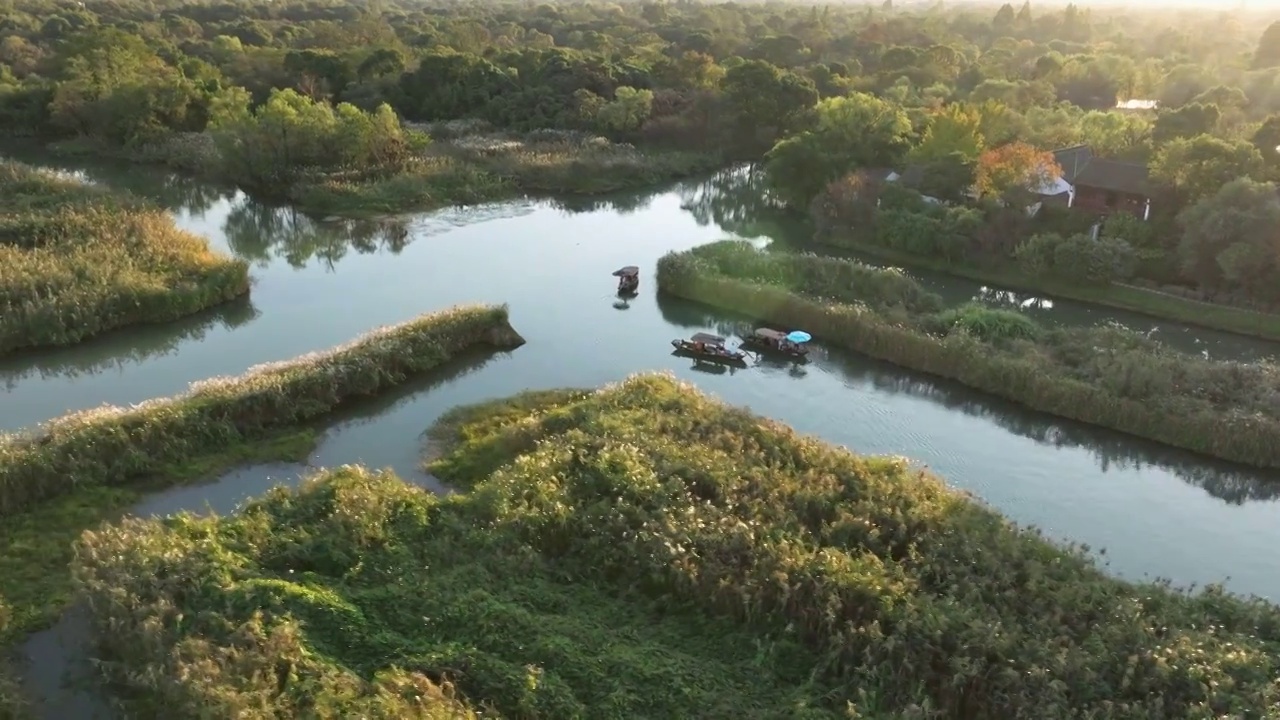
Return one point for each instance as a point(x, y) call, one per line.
point(628, 278)
point(776, 342)
point(705, 346)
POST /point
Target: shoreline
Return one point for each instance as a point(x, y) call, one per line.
point(473, 180)
point(1131, 298)
point(1247, 440)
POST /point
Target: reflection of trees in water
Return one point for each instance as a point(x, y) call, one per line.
point(259, 232)
point(1230, 483)
point(621, 203)
point(124, 347)
point(171, 190)
point(737, 200)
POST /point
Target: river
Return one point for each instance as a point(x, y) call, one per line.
point(1155, 511)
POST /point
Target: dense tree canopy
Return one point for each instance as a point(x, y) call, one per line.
point(949, 95)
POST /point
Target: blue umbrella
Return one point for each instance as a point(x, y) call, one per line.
point(799, 336)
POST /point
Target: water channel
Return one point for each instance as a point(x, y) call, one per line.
point(1157, 512)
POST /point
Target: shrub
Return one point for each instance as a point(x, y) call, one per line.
point(115, 445)
point(989, 324)
point(1078, 258)
point(76, 261)
point(650, 552)
point(1106, 376)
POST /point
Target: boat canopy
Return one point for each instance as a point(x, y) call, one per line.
point(770, 334)
point(707, 338)
point(628, 271)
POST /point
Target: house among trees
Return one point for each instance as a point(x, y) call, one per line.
point(1098, 184)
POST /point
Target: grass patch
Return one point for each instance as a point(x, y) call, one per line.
point(1106, 375)
point(653, 554)
point(481, 166)
point(114, 446)
point(1213, 316)
point(468, 423)
point(77, 261)
point(36, 545)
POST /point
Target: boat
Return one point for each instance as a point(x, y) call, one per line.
point(628, 279)
point(776, 342)
point(705, 346)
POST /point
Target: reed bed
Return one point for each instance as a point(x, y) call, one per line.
point(1107, 376)
point(644, 551)
point(77, 261)
point(116, 445)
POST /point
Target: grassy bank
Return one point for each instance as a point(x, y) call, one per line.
point(1105, 376)
point(112, 446)
point(77, 261)
point(1213, 316)
point(466, 163)
point(645, 552)
point(89, 467)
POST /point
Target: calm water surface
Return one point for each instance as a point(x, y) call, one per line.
point(1156, 512)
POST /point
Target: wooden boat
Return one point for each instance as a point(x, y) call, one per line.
point(775, 342)
point(628, 279)
point(705, 346)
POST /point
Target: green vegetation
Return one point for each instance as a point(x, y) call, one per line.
point(112, 446)
point(77, 261)
point(1160, 303)
point(475, 163)
point(645, 552)
point(1107, 376)
point(87, 467)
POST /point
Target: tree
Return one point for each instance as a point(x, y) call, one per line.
point(1184, 122)
point(1233, 237)
point(1268, 52)
point(1267, 140)
point(1004, 19)
point(1116, 135)
point(851, 132)
point(765, 101)
point(1014, 171)
point(291, 134)
point(956, 129)
point(1196, 167)
point(1024, 14)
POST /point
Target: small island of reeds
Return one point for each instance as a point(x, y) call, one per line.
point(1105, 375)
point(77, 260)
point(643, 551)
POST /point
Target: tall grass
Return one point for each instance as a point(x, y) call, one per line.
point(1106, 376)
point(645, 552)
point(76, 261)
point(116, 445)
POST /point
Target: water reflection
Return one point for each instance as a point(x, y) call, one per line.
point(1230, 483)
point(260, 232)
point(738, 201)
point(999, 297)
point(174, 191)
point(116, 350)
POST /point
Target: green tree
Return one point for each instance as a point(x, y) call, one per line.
point(1196, 167)
point(955, 129)
point(1232, 237)
point(1267, 53)
point(764, 102)
point(291, 134)
point(851, 132)
point(1116, 134)
point(1184, 122)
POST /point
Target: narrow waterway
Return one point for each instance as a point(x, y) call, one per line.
point(1157, 512)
